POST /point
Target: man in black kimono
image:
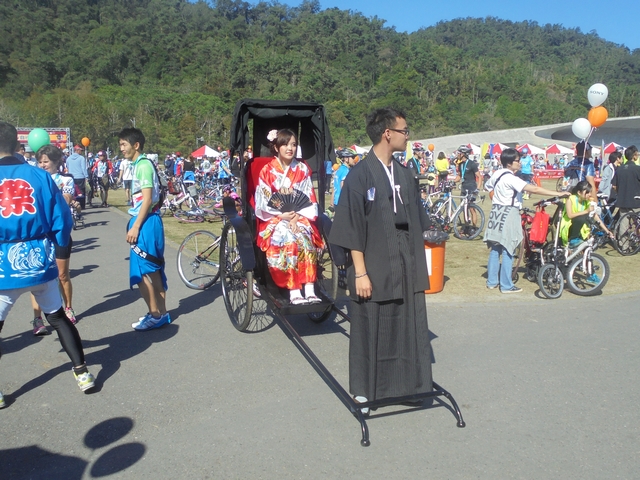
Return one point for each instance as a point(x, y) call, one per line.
point(380, 221)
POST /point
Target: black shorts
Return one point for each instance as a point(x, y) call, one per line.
point(64, 253)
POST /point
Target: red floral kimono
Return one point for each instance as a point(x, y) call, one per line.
point(291, 257)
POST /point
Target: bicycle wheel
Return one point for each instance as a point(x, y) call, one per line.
point(237, 284)
point(196, 266)
point(559, 184)
point(550, 280)
point(470, 228)
point(627, 234)
point(189, 216)
point(590, 280)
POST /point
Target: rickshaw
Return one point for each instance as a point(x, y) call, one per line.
point(245, 278)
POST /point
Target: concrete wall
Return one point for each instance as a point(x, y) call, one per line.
point(624, 131)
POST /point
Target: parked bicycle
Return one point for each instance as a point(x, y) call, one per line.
point(627, 233)
point(466, 219)
point(198, 267)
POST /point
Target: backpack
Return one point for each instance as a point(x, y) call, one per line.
point(164, 187)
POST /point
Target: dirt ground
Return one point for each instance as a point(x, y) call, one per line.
point(465, 261)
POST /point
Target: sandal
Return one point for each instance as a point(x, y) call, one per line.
point(299, 301)
point(314, 299)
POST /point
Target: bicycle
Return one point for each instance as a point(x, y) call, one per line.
point(467, 218)
point(627, 233)
point(527, 249)
point(181, 197)
point(196, 265)
point(586, 273)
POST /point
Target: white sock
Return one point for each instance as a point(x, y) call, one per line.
point(309, 291)
point(295, 294)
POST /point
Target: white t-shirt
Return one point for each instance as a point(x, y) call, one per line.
point(127, 169)
point(505, 188)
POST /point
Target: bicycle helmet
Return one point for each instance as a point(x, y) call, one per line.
point(346, 152)
point(464, 150)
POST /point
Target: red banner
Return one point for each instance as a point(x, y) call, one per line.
point(60, 137)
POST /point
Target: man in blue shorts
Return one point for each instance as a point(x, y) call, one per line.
point(145, 233)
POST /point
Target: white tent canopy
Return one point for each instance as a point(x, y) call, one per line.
point(206, 151)
point(359, 150)
point(557, 149)
point(474, 148)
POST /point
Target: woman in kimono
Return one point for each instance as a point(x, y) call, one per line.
point(286, 204)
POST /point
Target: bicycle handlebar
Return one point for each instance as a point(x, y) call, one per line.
point(548, 201)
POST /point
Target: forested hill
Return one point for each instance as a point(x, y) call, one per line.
point(176, 68)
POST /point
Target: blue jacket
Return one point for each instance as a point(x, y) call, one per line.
point(77, 166)
point(33, 216)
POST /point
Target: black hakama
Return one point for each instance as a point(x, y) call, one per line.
point(390, 351)
point(389, 348)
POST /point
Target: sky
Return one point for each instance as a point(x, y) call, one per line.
point(617, 21)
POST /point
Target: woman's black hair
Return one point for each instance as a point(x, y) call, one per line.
point(283, 138)
point(582, 186)
point(441, 155)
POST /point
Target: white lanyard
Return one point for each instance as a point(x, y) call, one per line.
point(394, 188)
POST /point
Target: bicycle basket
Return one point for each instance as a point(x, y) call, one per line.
point(172, 188)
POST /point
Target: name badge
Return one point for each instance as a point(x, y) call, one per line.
point(371, 194)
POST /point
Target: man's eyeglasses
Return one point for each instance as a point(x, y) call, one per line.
point(404, 132)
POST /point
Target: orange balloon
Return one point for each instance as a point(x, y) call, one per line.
point(597, 116)
point(85, 141)
point(431, 147)
point(63, 145)
point(335, 167)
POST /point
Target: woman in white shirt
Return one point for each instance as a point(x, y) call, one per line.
point(504, 233)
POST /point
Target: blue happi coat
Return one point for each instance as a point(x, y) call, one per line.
point(33, 216)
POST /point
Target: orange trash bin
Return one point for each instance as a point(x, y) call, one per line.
point(434, 253)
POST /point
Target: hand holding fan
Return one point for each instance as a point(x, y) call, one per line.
point(289, 202)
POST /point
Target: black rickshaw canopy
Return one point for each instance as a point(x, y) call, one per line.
point(307, 119)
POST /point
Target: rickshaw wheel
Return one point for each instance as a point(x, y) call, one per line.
point(237, 284)
point(327, 282)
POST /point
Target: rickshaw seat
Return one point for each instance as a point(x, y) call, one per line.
point(253, 175)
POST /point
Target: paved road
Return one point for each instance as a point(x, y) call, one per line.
point(548, 389)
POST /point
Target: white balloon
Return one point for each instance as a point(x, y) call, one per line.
point(597, 94)
point(581, 128)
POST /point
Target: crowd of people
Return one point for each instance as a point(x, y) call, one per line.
point(36, 243)
point(378, 219)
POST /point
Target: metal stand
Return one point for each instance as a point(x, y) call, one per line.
point(343, 395)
